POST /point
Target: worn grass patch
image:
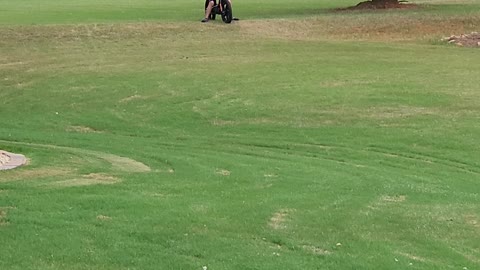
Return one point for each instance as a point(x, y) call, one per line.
point(35, 174)
point(89, 179)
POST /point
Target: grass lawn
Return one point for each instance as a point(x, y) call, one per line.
point(295, 138)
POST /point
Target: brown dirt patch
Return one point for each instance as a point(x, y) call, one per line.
point(464, 40)
point(380, 4)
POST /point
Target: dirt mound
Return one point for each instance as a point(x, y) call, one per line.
point(380, 4)
point(464, 40)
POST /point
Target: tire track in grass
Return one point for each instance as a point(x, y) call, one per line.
point(120, 163)
point(70, 177)
point(341, 154)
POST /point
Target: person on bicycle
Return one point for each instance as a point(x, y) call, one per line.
point(208, 11)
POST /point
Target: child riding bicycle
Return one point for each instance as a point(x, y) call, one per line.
point(208, 10)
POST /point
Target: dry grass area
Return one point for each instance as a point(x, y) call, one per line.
point(35, 174)
point(378, 27)
point(387, 27)
point(89, 179)
point(279, 219)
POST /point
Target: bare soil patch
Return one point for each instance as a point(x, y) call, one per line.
point(464, 40)
point(380, 4)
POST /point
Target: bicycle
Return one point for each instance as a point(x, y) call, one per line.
point(223, 8)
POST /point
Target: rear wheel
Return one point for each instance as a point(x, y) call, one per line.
point(227, 14)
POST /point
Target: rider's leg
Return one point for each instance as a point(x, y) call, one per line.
point(208, 11)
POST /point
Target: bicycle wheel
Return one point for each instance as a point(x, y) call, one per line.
point(227, 14)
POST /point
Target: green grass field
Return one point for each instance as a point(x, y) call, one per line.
point(296, 138)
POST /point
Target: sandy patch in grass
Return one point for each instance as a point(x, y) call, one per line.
point(89, 179)
point(278, 220)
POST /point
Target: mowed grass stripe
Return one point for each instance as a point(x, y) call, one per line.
point(310, 142)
